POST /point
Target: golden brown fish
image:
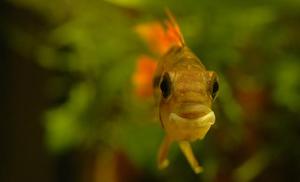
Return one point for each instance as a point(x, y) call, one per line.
point(183, 89)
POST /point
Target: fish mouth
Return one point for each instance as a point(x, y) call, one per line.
point(193, 116)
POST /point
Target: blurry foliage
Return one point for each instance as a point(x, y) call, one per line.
point(253, 45)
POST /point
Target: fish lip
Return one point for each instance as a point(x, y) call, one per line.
point(202, 121)
point(192, 110)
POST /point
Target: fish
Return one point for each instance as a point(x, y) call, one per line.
point(142, 78)
point(183, 88)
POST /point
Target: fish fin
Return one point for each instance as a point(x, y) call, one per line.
point(162, 160)
point(188, 152)
point(173, 28)
point(143, 75)
point(160, 38)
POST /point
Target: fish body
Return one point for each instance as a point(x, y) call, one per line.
point(189, 87)
point(184, 91)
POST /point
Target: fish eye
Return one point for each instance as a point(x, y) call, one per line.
point(165, 86)
point(215, 88)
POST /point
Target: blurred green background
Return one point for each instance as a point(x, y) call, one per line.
point(69, 112)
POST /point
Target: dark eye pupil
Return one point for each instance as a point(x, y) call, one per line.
point(165, 85)
point(215, 89)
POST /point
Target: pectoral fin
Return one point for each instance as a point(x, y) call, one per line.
point(163, 161)
point(187, 151)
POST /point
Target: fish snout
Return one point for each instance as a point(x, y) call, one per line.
point(197, 115)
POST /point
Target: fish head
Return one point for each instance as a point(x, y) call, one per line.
point(187, 92)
